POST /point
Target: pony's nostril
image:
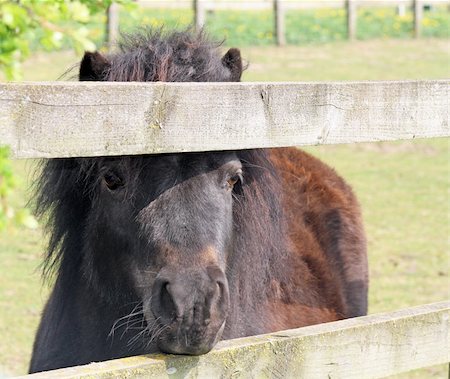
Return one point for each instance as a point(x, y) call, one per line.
point(163, 304)
point(192, 298)
point(166, 301)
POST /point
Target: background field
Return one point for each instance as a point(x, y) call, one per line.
point(255, 28)
point(402, 186)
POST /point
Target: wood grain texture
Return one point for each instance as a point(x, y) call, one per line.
point(93, 119)
point(366, 347)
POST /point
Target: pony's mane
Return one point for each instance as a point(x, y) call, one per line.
point(150, 55)
point(260, 248)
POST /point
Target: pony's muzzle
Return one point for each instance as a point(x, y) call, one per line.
point(192, 304)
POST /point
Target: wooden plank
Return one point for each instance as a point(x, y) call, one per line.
point(199, 14)
point(418, 15)
point(112, 25)
point(366, 347)
point(279, 19)
point(352, 14)
point(94, 119)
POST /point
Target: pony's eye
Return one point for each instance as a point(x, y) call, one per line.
point(237, 177)
point(113, 181)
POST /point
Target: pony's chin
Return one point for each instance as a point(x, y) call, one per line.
point(189, 342)
point(182, 349)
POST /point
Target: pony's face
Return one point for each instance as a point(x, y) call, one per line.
point(161, 229)
point(166, 219)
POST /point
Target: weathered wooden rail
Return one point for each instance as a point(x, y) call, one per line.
point(366, 347)
point(39, 120)
point(42, 120)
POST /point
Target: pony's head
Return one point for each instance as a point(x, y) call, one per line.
point(156, 228)
point(174, 212)
point(160, 229)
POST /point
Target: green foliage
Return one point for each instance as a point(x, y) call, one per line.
point(8, 214)
point(51, 24)
point(6, 186)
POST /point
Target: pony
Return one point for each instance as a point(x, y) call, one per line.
point(174, 252)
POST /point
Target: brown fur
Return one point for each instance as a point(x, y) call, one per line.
point(327, 265)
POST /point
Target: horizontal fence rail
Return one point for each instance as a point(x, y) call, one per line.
point(366, 347)
point(42, 120)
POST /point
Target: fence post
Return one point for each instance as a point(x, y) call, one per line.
point(112, 25)
point(401, 10)
point(199, 14)
point(279, 23)
point(418, 13)
point(351, 19)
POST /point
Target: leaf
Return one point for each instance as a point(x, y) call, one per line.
point(52, 23)
point(79, 12)
point(24, 218)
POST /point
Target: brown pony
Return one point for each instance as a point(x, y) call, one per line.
point(174, 252)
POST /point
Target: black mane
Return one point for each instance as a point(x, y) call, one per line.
point(151, 55)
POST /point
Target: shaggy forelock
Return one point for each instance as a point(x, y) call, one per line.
point(175, 56)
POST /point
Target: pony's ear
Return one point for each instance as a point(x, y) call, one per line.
point(93, 67)
point(232, 60)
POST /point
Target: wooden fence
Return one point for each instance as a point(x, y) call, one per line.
point(91, 119)
point(366, 347)
point(280, 7)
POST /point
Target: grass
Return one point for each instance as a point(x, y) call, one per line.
point(402, 186)
point(21, 293)
point(359, 60)
point(368, 60)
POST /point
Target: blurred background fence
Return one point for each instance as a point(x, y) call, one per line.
point(347, 9)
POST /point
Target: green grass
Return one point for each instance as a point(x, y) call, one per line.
point(368, 60)
point(359, 60)
point(21, 293)
point(402, 186)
